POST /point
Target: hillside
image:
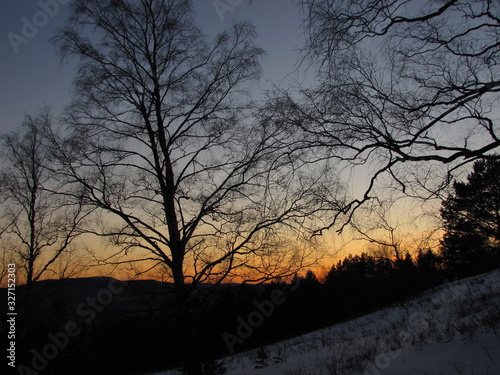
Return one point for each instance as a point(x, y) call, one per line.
point(453, 329)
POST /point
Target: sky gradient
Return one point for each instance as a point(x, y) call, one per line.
point(31, 75)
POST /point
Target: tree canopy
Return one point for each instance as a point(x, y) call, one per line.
point(403, 87)
point(165, 146)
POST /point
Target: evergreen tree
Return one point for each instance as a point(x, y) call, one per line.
point(471, 216)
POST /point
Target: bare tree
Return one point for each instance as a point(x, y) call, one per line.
point(404, 87)
point(163, 142)
point(395, 228)
point(39, 225)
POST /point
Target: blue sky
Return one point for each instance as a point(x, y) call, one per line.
point(32, 77)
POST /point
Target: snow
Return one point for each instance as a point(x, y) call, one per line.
point(454, 329)
point(481, 355)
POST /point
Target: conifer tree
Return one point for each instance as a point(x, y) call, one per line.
point(471, 216)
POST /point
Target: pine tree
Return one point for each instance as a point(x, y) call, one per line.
point(471, 216)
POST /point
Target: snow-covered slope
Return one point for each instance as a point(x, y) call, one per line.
point(454, 329)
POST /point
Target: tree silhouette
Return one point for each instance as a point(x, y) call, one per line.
point(39, 223)
point(471, 216)
point(405, 89)
point(163, 143)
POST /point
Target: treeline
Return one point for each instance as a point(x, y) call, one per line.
point(354, 286)
point(130, 331)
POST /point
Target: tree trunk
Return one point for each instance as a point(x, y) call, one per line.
point(190, 351)
point(187, 323)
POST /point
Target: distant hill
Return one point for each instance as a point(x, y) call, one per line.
point(63, 296)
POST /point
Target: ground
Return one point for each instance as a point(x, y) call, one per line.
point(453, 329)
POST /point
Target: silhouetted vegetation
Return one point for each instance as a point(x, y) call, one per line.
point(135, 332)
point(472, 218)
point(165, 154)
